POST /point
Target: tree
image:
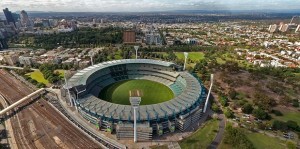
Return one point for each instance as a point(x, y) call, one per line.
point(215, 107)
point(292, 125)
point(260, 113)
point(223, 100)
point(279, 125)
point(237, 138)
point(263, 101)
point(232, 94)
point(228, 113)
point(247, 108)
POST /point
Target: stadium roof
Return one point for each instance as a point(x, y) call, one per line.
point(81, 76)
point(180, 103)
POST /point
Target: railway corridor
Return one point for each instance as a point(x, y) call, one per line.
point(39, 125)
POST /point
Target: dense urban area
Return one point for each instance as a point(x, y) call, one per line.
point(254, 59)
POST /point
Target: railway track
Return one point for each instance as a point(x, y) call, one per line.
point(39, 125)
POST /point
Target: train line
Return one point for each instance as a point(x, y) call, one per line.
point(39, 125)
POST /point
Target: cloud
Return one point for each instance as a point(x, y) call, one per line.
point(145, 5)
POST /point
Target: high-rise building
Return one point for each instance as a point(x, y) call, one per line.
point(273, 28)
point(25, 19)
point(284, 27)
point(129, 37)
point(153, 39)
point(9, 17)
point(16, 17)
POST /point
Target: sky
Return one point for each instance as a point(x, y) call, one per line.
point(145, 5)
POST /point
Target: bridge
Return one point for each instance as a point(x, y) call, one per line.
point(30, 96)
point(13, 67)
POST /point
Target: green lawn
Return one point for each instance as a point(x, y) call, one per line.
point(152, 92)
point(202, 137)
point(294, 116)
point(38, 76)
point(261, 141)
point(192, 55)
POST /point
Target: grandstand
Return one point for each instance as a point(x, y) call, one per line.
point(157, 119)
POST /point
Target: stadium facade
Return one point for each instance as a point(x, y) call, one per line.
point(156, 119)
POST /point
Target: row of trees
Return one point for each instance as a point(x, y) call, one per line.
point(83, 38)
point(48, 70)
point(284, 126)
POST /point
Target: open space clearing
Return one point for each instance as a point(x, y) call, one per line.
point(259, 141)
point(38, 76)
point(202, 137)
point(293, 116)
point(263, 141)
point(195, 56)
point(152, 92)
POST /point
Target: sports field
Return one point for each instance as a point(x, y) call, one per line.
point(151, 92)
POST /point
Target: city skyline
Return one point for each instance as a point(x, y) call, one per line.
point(146, 5)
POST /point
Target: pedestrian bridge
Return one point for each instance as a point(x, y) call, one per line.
point(30, 96)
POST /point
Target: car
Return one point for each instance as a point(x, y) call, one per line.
point(246, 116)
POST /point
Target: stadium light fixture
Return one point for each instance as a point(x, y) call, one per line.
point(207, 98)
point(91, 54)
point(136, 49)
point(185, 58)
point(135, 102)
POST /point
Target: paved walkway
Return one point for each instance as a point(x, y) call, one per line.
point(217, 141)
point(174, 145)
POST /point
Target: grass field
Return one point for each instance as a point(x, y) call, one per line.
point(192, 55)
point(202, 137)
point(152, 92)
point(38, 76)
point(261, 141)
point(294, 116)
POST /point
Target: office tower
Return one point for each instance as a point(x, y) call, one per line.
point(273, 28)
point(25, 19)
point(9, 17)
point(284, 28)
point(129, 37)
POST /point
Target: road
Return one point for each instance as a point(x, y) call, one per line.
point(39, 125)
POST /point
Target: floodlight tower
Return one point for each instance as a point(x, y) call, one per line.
point(207, 98)
point(136, 49)
point(135, 102)
point(91, 54)
point(185, 58)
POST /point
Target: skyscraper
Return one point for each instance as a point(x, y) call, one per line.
point(25, 19)
point(129, 37)
point(9, 17)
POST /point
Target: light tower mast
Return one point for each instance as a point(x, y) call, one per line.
point(135, 101)
point(91, 54)
point(185, 58)
point(136, 51)
point(211, 84)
